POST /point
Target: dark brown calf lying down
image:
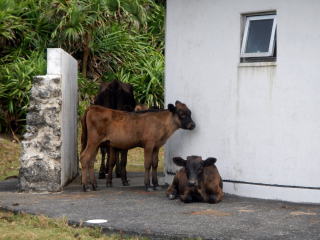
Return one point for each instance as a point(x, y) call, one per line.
point(198, 180)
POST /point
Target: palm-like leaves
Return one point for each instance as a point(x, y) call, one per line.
point(110, 39)
point(15, 84)
point(80, 19)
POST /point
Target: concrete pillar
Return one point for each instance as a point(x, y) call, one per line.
point(49, 158)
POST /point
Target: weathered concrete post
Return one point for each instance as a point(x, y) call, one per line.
point(49, 158)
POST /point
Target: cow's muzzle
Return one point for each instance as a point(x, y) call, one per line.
point(192, 183)
point(191, 126)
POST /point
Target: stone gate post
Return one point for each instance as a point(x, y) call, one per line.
point(49, 156)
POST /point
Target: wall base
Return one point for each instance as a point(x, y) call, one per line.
point(298, 195)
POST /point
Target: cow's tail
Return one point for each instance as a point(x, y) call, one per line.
point(84, 134)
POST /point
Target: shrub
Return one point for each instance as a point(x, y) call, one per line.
point(121, 39)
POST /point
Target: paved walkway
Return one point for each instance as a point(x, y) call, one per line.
point(132, 210)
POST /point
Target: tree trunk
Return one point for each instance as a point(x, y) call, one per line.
point(86, 53)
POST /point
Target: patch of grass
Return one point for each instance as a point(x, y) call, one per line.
point(135, 160)
point(25, 226)
point(9, 157)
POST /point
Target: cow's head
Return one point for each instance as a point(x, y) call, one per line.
point(183, 115)
point(194, 166)
point(125, 97)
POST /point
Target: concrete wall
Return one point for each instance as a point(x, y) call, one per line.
point(261, 120)
point(49, 149)
point(61, 63)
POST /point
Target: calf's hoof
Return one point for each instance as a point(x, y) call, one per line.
point(212, 199)
point(148, 188)
point(125, 183)
point(157, 188)
point(94, 187)
point(171, 196)
point(85, 188)
point(102, 175)
point(109, 184)
point(187, 199)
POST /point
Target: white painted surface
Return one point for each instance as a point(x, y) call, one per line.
point(97, 221)
point(261, 120)
point(61, 63)
point(278, 193)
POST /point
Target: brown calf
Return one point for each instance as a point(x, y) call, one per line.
point(198, 180)
point(125, 130)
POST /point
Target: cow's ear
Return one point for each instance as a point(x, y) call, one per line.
point(179, 161)
point(171, 108)
point(209, 161)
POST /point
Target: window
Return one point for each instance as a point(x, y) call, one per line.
point(259, 37)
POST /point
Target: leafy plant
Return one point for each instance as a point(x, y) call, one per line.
point(15, 85)
point(110, 39)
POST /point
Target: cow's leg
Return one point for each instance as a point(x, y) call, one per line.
point(155, 161)
point(218, 195)
point(147, 166)
point(212, 198)
point(91, 174)
point(84, 172)
point(206, 195)
point(123, 161)
point(108, 157)
point(214, 195)
point(103, 150)
point(86, 157)
point(172, 190)
point(186, 197)
point(116, 157)
point(111, 164)
point(118, 164)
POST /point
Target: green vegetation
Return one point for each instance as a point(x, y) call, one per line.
point(121, 39)
point(25, 226)
point(9, 158)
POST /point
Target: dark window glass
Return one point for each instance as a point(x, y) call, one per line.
point(259, 35)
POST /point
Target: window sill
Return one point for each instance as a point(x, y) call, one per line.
point(258, 64)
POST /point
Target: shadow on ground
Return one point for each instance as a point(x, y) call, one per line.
point(132, 210)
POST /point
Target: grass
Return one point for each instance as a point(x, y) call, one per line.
point(25, 226)
point(9, 157)
point(135, 160)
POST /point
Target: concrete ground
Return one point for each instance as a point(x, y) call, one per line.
point(132, 210)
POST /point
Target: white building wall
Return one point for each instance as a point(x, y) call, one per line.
point(262, 120)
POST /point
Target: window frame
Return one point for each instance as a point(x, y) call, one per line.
point(270, 52)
